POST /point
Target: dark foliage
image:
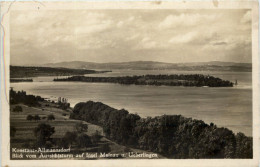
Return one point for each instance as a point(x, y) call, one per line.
point(104, 148)
point(68, 139)
point(157, 80)
point(30, 117)
point(21, 80)
point(12, 131)
point(96, 137)
point(43, 133)
point(80, 127)
point(18, 109)
point(37, 118)
point(21, 97)
point(83, 141)
point(173, 136)
point(23, 72)
point(50, 117)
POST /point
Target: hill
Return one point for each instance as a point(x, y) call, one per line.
point(152, 65)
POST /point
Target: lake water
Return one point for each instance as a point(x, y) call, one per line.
point(225, 107)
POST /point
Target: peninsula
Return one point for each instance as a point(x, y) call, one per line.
point(25, 72)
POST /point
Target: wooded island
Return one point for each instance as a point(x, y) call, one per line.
point(191, 80)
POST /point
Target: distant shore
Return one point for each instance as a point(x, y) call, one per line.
point(27, 72)
point(12, 80)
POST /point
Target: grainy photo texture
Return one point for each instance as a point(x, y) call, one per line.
point(93, 84)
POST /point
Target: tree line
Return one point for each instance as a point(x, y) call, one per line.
point(173, 136)
point(194, 80)
point(22, 97)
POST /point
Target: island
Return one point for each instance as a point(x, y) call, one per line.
point(191, 80)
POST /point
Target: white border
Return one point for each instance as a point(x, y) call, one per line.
point(44, 5)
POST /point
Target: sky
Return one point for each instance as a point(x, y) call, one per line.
point(173, 36)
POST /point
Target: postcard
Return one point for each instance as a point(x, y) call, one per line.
point(116, 83)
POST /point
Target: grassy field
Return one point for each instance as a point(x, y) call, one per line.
point(24, 129)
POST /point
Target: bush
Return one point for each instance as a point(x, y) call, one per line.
point(43, 133)
point(18, 109)
point(83, 141)
point(50, 117)
point(29, 118)
point(80, 127)
point(96, 137)
point(37, 118)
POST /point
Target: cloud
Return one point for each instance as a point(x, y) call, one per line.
point(120, 24)
point(106, 35)
point(132, 37)
point(173, 21)
point(185, 38)
point(219, 43)
point(148, 43)
point(93, 28)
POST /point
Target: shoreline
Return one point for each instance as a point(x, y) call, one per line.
point(144, 115)
point(99, 120)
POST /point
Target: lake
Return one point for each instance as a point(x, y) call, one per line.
point(225, 107)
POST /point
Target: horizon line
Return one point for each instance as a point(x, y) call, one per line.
point(130, 62)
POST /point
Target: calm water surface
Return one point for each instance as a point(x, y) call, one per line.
point(226, 107)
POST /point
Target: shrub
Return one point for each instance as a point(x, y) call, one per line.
point(80, 127)
point(18, 109)
point(43, 133)
point(83, 141)
point(50, 117)
point(37, 118)
point(29, 117)
point(96, 137)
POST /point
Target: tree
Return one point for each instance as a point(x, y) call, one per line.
point(12, 131)
point(80, 127)
point(244, 146)
point(68, 139)
point(37, 118)
point(83, 140)
point(51, 117)
point(96, 137)
point(43, 133)
point(18, 109)
point(29, 117)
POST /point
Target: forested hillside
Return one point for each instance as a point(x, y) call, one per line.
point(173, 136)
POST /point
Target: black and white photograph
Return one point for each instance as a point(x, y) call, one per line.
point(130, 84)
